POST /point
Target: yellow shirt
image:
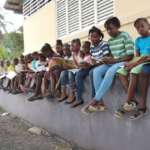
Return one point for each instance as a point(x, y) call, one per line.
point(10, 68)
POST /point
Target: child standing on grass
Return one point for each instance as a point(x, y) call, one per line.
point(121, 47)
point(135, 67)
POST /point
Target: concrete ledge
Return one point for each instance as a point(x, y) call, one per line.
point(99, 131)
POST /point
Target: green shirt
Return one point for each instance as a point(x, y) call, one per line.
point(121, 45)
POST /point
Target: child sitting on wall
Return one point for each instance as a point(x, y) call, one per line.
point(40, 71)
point(134, 68)
point(48, 53)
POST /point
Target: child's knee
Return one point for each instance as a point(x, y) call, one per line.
point(63, 74)
point(135, 70)
point(122, 72)
point(79, 75)
point(91, 73)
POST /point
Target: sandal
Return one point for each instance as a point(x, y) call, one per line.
point(141, 112)
point(96, 108)
point(77, 103)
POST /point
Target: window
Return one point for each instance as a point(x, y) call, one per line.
point(87, 13)
point(31, 6)
point(104, 9)
point(61, 18)
point(73, 15)
point(79, 14)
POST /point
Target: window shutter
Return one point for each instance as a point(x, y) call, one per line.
point(73, 15)
point(61, 18)
point(26, 8)
point(104, 9)
point(31, 6)
point(87, 13)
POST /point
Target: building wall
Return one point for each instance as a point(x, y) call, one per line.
point(41, 26)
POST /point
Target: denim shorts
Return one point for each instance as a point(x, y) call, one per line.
point(146, 69)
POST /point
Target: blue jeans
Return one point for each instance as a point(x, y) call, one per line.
point(79, 78)
point(67, 78)
point(92, 82)
point(103, 77)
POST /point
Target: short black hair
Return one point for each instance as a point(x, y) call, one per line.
point(47, 48)
point(112, 20)
point(98, 31)
point(76, 41)
point(136, 22)
point(35, 53)
point(66, 45)
point(41, 56)
point(28, 58)
point(16, 60)
point(87, 43)
point(59, 42)
point(22, 56)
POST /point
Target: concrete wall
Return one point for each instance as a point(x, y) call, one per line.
point(41, 26)
point(98, 131)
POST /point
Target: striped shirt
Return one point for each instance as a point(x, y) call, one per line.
point(121, 46)
point(99, 51)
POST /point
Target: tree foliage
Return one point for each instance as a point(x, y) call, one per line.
point(11, 44)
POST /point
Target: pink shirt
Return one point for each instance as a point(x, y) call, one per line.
point(88, 59)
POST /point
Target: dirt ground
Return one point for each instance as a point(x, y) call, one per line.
point(14, 136)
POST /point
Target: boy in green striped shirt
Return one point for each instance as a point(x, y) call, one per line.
point(121, 45)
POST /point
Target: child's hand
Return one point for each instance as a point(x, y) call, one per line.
point(84, 65)
point(57, 86)
point(129, 66)
point(74, 60)
point(108, 60)
point(94, 62)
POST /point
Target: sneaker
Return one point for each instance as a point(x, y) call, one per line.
point(139, 114)
point(130, 106)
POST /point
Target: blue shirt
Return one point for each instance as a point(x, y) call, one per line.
point(33, 64)
point(99, 51)
point(142, 45)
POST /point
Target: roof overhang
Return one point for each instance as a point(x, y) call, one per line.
point(15, 5)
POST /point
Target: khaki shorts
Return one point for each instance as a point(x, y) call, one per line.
point(135, 70)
